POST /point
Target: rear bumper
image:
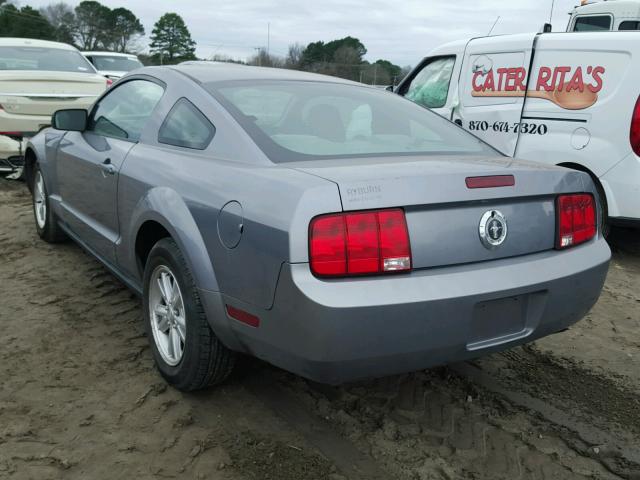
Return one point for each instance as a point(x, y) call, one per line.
point(343, 330)
point(9, 147)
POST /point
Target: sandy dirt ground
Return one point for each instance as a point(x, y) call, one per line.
point(80, 398)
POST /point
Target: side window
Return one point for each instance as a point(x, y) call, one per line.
point(124, 111)
point(430, 86)
point(592, 23)
point(629, 25)
point(186, 126)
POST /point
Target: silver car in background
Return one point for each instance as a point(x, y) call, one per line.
point(332, 229)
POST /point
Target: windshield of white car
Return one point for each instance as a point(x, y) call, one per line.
point(42, 58)
point(115, 63)
point(295, 120)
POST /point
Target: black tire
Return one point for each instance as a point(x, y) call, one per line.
point(49, 231)
point(605, 225)
point(205, 360)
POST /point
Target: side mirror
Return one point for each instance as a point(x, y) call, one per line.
point(73, 119)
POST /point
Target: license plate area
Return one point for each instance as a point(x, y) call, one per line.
point(505, 319)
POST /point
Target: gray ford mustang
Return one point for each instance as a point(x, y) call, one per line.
point(331, 229)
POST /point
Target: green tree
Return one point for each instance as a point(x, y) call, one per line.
point(126, 28)
point(63, 20)
point(394, 71)
point(342, 57)
point(24, 22)
point(171, 41)
point(93, 25)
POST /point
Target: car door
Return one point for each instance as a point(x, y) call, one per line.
point(89, 162)
point(493, 85)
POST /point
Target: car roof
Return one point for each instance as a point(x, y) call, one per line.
point(109, 54)
point(207, 72)
point(31, 42)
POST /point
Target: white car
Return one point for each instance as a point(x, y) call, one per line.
point(113, 65)
point(37, 78)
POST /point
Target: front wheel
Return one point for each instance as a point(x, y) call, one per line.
point(46, 221)
point(186, 351)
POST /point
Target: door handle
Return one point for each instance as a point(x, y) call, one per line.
point(108, 167)
point(457, 121)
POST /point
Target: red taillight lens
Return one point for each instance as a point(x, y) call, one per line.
point(109, 82)
point(576, 217)
point(359, 243)
point(242, 316)
point(634, 132)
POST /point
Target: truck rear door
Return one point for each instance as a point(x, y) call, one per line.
point(493, 84)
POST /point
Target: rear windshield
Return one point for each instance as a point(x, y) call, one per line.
point(294, 120)
point(49, 59)
point(117, 64)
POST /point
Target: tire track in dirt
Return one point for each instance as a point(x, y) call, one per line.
point(436, 425)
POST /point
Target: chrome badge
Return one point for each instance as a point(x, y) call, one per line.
point(492, 229)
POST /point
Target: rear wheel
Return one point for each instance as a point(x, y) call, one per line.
point(186, 351)
point(46, 221)
point(604, 215)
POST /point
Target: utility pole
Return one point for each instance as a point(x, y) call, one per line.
point(375, 73)
point(268, 37)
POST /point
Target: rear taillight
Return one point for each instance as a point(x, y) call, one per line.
point(359, 243)
point(109, 82)
point(576, 219)
point(634, 132)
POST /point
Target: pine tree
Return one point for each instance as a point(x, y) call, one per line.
point(171, 41)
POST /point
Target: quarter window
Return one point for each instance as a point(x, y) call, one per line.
point(430, 87)
point(124, 111)
point(186, 126)
point(592, 23)
point(629, 25)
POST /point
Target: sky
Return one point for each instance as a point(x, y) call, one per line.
point(400, 31)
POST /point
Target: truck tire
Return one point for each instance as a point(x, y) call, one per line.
point(604, 216)
point(186, 351)
point(46, 220)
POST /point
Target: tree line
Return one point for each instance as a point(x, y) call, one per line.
point(94, 26)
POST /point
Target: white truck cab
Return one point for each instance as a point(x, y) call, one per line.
point(568, 99)
point(605, 15)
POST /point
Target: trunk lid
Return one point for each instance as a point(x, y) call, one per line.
point(42, 93)
point(443, 214)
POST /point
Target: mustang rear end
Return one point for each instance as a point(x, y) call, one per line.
point(331, 229)
point(431, 261)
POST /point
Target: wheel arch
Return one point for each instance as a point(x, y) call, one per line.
point(163, 213)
